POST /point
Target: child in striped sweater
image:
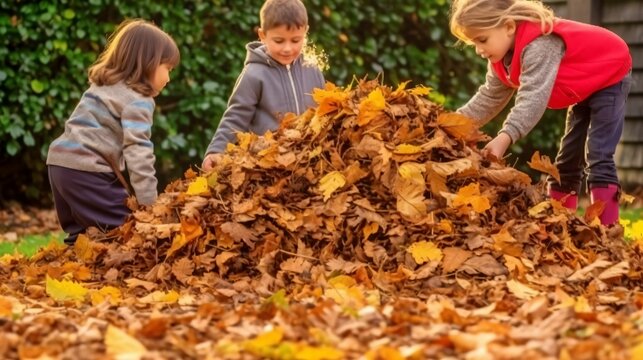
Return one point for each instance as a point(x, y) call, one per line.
point(110, 129)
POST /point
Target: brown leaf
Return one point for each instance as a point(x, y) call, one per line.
point(453, 258)
point(543, 164)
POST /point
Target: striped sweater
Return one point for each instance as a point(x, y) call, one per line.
point(110, 122)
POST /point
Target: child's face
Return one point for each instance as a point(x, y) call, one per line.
point(160, 78)
point(493, 44)
point(282, 44)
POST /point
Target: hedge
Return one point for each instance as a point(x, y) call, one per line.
point(47, 46)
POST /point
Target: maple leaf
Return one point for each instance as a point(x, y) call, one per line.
point(329, 99)
point(65, 290)
point(330, 182)
point(423, 251)
point(459, 126)
point(371, 107)
point(543, 164)
point(470, 195)
point(122, 346)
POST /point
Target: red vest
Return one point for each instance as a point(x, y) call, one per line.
point(594, 59)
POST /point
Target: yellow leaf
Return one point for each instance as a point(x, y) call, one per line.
point(319, 353)
point(371, 107)
point(121, 345)
point(581, 305)
point(420, 90)
point(244, 139)
point(543, 164)
point(343, 281)
point(83, 248)
point(407, 149)
point(179, 241)
point(330, 182)
point(521, 291)
point(539, 208)
point(637, 352)
point(267, 339)
point(109, 293)
point(64, 290)
point(198, 186)
point(169, 297)
point(423, 251)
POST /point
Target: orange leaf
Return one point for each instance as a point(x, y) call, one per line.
point(330, 98)
point(459, 126)
point(543, 164)
point(371, 107)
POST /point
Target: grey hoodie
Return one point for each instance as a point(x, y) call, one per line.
point(265, 90)
point(111, 122)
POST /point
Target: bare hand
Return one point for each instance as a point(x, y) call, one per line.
point(497, 147)
point(211, 160)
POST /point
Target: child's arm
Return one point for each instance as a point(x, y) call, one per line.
point(241, 109)
point(138, 149)
point(540, 62)
point(490, 99)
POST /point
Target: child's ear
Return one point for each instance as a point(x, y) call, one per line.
point(510, 26)
point(262, 34)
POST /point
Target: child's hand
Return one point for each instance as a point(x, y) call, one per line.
point(210, 161)
point(497, 146)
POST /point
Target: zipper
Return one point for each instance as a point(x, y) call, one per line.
point(294, 91)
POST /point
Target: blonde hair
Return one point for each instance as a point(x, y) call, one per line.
point(489, 14)
point(132, 54)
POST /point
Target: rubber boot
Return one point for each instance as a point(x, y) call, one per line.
point(569, 200)
point(609, 194)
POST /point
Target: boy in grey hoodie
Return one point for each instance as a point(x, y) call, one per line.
point(275, 79)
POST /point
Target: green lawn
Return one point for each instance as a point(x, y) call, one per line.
point(29, 244)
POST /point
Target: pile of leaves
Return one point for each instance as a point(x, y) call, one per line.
point(368, 227)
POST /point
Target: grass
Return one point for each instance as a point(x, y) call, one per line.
point(29, 244)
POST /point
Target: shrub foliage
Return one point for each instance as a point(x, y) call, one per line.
point(46, 48)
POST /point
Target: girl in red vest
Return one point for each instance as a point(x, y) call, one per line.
point(555, 63)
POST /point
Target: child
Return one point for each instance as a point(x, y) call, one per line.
point(111, 127)
point(275, 80)
point(556, 63)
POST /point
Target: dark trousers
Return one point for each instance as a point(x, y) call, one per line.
point(85, 199)
point(592, 131)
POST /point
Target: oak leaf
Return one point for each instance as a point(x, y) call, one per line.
point(543, 164)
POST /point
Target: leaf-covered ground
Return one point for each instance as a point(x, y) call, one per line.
point(369, 227)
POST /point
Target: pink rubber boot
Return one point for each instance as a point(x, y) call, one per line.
point(569, 200)
point(610, 196)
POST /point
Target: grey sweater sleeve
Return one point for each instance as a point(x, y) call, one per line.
point(490, 99)
point(540, 62)
point(241, 109)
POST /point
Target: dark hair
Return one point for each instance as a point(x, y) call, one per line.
point(291, 13)
point(132, 54)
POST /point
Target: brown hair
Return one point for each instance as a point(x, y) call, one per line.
point(291, 13)
point(488, 14)
point(132, 54)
